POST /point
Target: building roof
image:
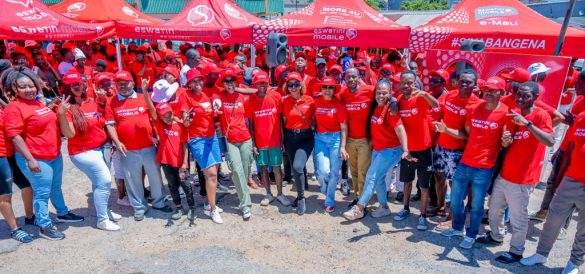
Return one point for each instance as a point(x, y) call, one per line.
point(257, 6)
point(413, 19)
point(163, 6)
point(52, 2)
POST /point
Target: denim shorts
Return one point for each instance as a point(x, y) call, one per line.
point(269, 156)
point(205, 151)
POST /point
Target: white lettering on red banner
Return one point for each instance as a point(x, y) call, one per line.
point(514, 43)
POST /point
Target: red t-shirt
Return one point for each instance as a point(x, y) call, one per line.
point(526, 151)
point(170, 143)
point(329, 114)
point(94, 135)
point(292, 115)
point(358, 109)
point(510, 101)
point(234, 114)
point(265, 113)
point(577, 135)
point(454, 112)
point(312, 88)
point(567, 98)
point(202, 125)
point(383, 129)
point(36, 124)
point(132, 121)
point(579, 105)
point(6, 147)
point(149, 73)
point(485, 136)
point(414, 114)
point(174, 102)
point(210, 91)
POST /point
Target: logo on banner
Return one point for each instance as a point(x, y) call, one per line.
point(496, 16)
point(76, 7)
point(128, 11)
point(225, 34)
point(233, 12)
point(341, 11)
point(25, 3)
point(200, 15)
point(351, 34)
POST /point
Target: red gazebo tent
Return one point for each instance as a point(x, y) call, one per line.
point(220, 21)
point(336, 23)
point(102, 11)
point(504, 25)
point(33, 20)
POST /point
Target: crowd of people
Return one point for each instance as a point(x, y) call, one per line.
point(356, 112)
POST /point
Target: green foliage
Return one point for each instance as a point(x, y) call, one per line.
point(424, 5)
point(375, 4)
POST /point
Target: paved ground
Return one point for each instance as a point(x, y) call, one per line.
point(275, 240)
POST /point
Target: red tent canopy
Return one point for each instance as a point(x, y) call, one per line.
point(202, 20)
point(102, 11)
point(336, 23)
point(30, 19)
point(504, 25)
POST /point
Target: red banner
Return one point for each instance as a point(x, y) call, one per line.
point(489, 64)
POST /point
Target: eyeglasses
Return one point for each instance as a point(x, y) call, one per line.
point(328, 87)
point(293, 85)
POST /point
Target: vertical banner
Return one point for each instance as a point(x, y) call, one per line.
point(489, 64)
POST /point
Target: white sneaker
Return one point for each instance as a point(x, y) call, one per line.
point(267, 200)
point(467, 243)
point(108, 226)
point(381, 212)
point(207, 207)
point(571, 268)
point(353, 214)
point(215, 217)
point(283, 199)
point(123, 202)
point(533, 260)
point(114, 216)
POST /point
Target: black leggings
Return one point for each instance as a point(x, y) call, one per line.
point(299, 147)
point(172, 175)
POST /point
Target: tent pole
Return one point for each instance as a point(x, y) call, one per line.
point(253, 55)
point(568, 16)
point(118, 54)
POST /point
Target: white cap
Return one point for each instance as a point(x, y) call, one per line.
point(78, 54)
point(163, 91)
point(537, 68)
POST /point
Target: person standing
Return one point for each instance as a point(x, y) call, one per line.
point(530, 132)
point(485, 125)
point(414, 106)
point(358, 99)
point(298, 119)
point(330, 139)
point(34, 132)
point(192, 61)
point(82, 121)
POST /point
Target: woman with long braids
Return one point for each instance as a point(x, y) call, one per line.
point(34, 132)
point(389, 145)
point(82, 121)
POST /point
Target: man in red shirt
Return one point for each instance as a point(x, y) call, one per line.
point(142, 69)
point(358, 99)
point(128, 124)
point(484, 127)
point(414, 106)
point(568, 197)
point(312, 87)
point(530, 132)
point(263, 110)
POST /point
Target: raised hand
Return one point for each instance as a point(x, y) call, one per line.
point(517, 118)
point(65, 106)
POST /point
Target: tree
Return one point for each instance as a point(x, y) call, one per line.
point(424, 5)
point(375, 4)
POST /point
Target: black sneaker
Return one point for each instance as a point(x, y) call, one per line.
point(487, 239)
point(416, 197)
point(21, 236)
point(30, 221)
point(165, 209)
point(69, 218)
point(354, 202)
point(52, 233)
point(508, 258)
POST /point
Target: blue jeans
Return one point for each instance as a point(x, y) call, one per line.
point(46, 185)
point(93, 164)
point(479, 179)
point(381, 162)
point(327, 163)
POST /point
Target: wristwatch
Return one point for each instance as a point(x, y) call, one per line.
point(528, 124)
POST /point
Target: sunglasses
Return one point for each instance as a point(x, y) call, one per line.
point(229, 80)
point(436, 81)
point(328, 87)
point(386, 72)
point(294, 85)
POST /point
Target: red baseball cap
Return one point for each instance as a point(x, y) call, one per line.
point(211, 68)
point(103, 76)
point(329, 81)
point(141, 49)
point(72, 77)
point(193, 74)
point(260, 77)
point(495, 82)
point(294, 76)
point(163, 108)
point(228, 72)
point(335, 67)
point(174, 71)
point(171, 54)
point(388, 67)
point(123, 76)
point(441, 73)
point(519, 75)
